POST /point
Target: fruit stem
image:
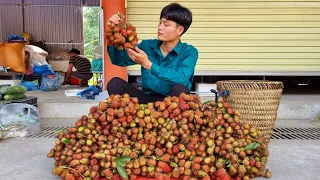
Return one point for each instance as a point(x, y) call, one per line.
point(66, 167)
point(238, 163)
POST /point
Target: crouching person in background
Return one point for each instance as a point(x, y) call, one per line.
point(82, 65)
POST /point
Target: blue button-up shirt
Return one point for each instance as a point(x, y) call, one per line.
point(177, 67)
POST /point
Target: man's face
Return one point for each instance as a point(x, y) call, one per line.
point(71, 54)
point(169, 30)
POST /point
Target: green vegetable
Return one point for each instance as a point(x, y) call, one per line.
point(3, 85)
point(7, 90)
point(14, 96)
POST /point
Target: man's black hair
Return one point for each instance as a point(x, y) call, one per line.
point(179, 14)
point(76, 51)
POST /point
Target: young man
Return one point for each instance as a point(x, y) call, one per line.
point(82, 65)
point(167, 64)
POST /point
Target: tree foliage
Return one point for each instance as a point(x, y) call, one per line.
point(91, 30)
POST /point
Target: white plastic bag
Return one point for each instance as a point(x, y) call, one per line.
point(19, 120)
point(72, 92)
point(98, 52)
point(37, 55)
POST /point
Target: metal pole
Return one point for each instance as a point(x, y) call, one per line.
point(23, 21)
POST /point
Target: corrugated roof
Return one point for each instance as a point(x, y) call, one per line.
point(9, 2)
point(53, 2)
point(91, 2)
point(54, 24)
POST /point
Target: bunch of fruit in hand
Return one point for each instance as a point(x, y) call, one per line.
point(122, 35)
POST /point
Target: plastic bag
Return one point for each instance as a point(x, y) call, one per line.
point(50, 82)
point(98, 52)
point(30, 85)
point(15, 38)
point(37, 50)
point(3, 69)
point(90, 92)
point(37, 55)
point(42, 69)
point(19, 120)
point(72, 92)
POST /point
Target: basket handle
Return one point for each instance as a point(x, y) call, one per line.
point(217, 94)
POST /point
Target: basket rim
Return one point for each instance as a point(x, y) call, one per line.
point(250, 84)
point(251, 81)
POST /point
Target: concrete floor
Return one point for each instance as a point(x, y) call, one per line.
point(27, 159)
point(59, 96)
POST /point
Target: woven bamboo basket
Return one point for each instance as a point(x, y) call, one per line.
point(257, 101)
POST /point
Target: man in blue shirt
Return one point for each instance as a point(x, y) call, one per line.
point(167, 64)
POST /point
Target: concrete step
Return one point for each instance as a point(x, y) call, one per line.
point(292, 106)
point(64, 110)
point(68, 107)
point(57, 105)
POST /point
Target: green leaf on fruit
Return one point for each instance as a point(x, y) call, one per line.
point(252, 146)
point(122, 172)
point(173, 164)
point(184, 152)
point(207, 102)
point(184, 142)
point(122, 160)
point(120, 163)
point(224, 111)
point(66, 141)
point(125, 158)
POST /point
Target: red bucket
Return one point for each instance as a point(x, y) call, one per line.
point(75, 81)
